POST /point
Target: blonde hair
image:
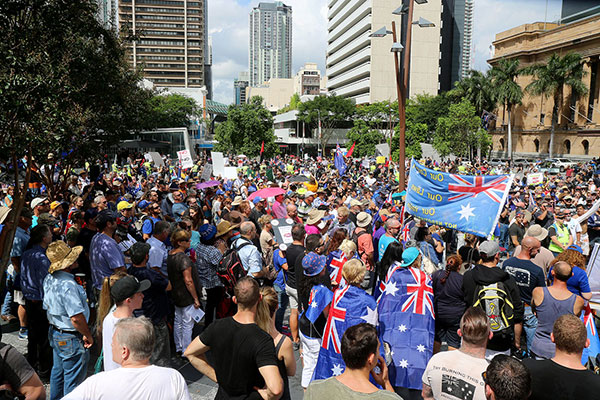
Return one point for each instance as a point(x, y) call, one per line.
point(180, 235)
point(105, 302)
point(264, 220)
point(343, 211)
point(348, 247)
point(354, 271)
point(266, 308)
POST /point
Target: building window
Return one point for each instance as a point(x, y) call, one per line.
point(593, 91)
point(586, 147)
point(567, 146)
point(536, 142)
point(501, 144)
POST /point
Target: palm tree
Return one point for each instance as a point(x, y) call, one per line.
point(551, 78)
point(478, 89)
point(507, 90)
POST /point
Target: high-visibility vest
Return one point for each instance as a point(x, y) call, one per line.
point(562, 234)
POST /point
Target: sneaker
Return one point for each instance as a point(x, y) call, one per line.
point(23, 335)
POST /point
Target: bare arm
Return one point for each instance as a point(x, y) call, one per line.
point(578, 306)
point(427, 393)
point(189, 285)
point(33, 389)
point(514, 240)
point(518, 332)
point(196, 354)
point(273, 383)
point(80, 324)
point(587, 295)
point(288, 356)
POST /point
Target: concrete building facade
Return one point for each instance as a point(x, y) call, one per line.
point(270, 42)
point(308, 80)
point(578, 129)
point(173, 44)
point(240, 87)
point(276, 93)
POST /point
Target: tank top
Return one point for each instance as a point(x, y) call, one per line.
point(547, 313)
point(283, 371)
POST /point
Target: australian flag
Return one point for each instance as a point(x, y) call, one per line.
point(406, 325)
point(335, 262)
point(320, 297)
point(339, 161)
point(592, 334)
point(351, 306)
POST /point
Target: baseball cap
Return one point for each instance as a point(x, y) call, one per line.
point(143, 204)
point(106, 216)
point(127, 287)
point(207, 232)
point(54, 205)
point(37, 201)
point(124, 205)
point(576, 248)
point(489, 248)
point(257, 199)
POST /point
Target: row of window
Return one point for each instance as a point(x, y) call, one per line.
point(165, 26)
point(165, 2)
point(167, 58)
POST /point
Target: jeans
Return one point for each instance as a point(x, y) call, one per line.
point(182, 327)
point(530, 323)
point(283, 300)
point(70, 362)
point(504, 235)
point(8, 298)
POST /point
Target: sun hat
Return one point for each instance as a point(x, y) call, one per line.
point(124, 205)
point(363, 219)
point(207, 232)
point(314, 216)
point(61, 256)
point(490, 248)
point(409, 256)
point(3, 213)
point(313, 264)
point(127, 287)
point(309, 193)
point(237, 201)
point(537, 231)
point(223, 227)
point(355, 202)
point(37, 201)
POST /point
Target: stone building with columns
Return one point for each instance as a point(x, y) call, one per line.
point(578, 130)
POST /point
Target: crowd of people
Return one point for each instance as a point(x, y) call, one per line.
point(145, 268)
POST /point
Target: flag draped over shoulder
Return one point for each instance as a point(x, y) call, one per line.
point(335, 262)
point(339, 161)
point(320, 297)
point(466, 203)
point(592, 334)
point(406, 325)
point(351, 306)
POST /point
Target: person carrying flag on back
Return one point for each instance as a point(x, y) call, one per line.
point(351, 306)
point(406, 323)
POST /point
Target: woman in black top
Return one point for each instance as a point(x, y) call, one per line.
point(448, 303)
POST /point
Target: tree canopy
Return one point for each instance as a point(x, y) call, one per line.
point(331, 110)
point(457, 132)
point(171, 110)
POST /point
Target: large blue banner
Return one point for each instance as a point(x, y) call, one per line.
point(467, 203)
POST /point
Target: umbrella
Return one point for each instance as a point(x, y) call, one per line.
point(207, 184)
point(267, 192)
point(299, 178)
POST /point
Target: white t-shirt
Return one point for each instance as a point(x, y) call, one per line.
point(574, 227)
point(108, 329)
point(455, 375)
point(146, 383)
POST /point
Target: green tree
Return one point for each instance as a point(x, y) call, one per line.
point(371, 126)
point(65, 87)
point(331, 110)
point(507, 90)
point(294, 102)
point(426, 109)
point(364, 138)
point(171, 110)
point(458, 132)
point(550, 79)
point(478, 89)
point(416, 133)
point(247, 126)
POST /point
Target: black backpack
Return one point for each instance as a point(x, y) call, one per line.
point(230, 269)
point(495, 300)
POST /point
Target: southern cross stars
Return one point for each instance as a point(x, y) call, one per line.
point(336, 370)
point(466, 212)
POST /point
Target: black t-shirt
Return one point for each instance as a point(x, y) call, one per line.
point(156, 302)
point(448, 298)
point(14, 369)
point(179, 293)
point(515, 230)
point(550, 380)
point(292, 253)
point(239, 351)
point(527, 275)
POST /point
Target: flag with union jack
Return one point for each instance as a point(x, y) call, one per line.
point(335, 263)
point(350, 306)
point(406, 325)
point(592, 334)
point(463, 202)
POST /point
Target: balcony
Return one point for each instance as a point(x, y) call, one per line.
point(351, 47)
point(353, 74)
point(354, 60)
point(362, 26)
point(335, 6)
point(355, 88)
point(347, 16)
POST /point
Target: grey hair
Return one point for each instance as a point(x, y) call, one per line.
point(246, 227)
point(98, 198)
point(160, 227)
point(137, 334)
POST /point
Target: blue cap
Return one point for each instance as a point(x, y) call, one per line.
point(313, 264)
point(576, 248)
point(207, 232)
point(257, 199)
point(409, 256)
point(143, 204)
point(219, 191)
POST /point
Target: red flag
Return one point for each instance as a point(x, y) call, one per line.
point(349, 153)
point(262, 147)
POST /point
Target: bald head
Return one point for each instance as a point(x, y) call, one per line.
point(392, 226)
point(562, 271)
point(529, 243)
point(247, 228)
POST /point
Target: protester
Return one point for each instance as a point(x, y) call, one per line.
point(294, 251)
point(506, 379)
point(209, 253)
point(544, 257)
point(578, 283)
point(19, 380)
point(105, 256)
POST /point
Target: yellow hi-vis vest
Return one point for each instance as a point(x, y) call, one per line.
point(562, 234)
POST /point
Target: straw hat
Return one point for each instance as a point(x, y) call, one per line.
point(3, 213)
point(237, 201)
point(223, 227)
point(314, 216)
point(61, 256)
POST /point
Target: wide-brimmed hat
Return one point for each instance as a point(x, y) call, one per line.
point(61, 256)
point(409, 256)
point(537, 231)
point(313, 264)
point(355, 202)
point(237, 201)
point(363, 219)
point(314, 216)
point(223, 227)
point(3, 213)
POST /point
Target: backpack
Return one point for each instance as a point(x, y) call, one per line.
point(355, 237)
point(495, 300)
point(230, 269)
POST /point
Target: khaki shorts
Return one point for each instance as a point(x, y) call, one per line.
point(18, 297)
point(293, 295)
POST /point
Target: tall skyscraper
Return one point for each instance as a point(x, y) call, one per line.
point(172, 41)
point(270, 47)
point(456, 42)
point(240, 86)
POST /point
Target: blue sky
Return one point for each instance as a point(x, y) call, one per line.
point(228, 25)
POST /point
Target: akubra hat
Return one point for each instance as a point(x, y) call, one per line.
point(61, 256)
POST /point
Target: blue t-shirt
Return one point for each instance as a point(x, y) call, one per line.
point(105, 257)
point(278, 261)
point(527, 275)
point(384, 242)
point(148, 225)
point(576, 284)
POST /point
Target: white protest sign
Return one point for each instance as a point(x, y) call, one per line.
point(535, 179)
point(156, 159)
point(185, 159)
point(218, 163)
point(207, 172)
point(230, 172)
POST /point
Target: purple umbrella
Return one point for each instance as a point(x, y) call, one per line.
point(207, 184)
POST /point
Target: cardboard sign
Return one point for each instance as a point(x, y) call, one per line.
point(282, 228)
point(155, 158)
point(535, 179)
point(230, 172)
point(380, 159)
point(206, 172)
point(185, 159)
point(218, 163)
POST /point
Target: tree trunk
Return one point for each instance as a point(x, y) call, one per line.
point(556, 109)
point(509, 136)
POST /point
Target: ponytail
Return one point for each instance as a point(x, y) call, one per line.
point(266, 308)
point(452, 264)
point(105, 302)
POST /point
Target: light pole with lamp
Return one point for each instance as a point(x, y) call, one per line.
point(402, 82)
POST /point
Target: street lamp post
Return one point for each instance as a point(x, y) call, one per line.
point(319, 138)
point(402, 81)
